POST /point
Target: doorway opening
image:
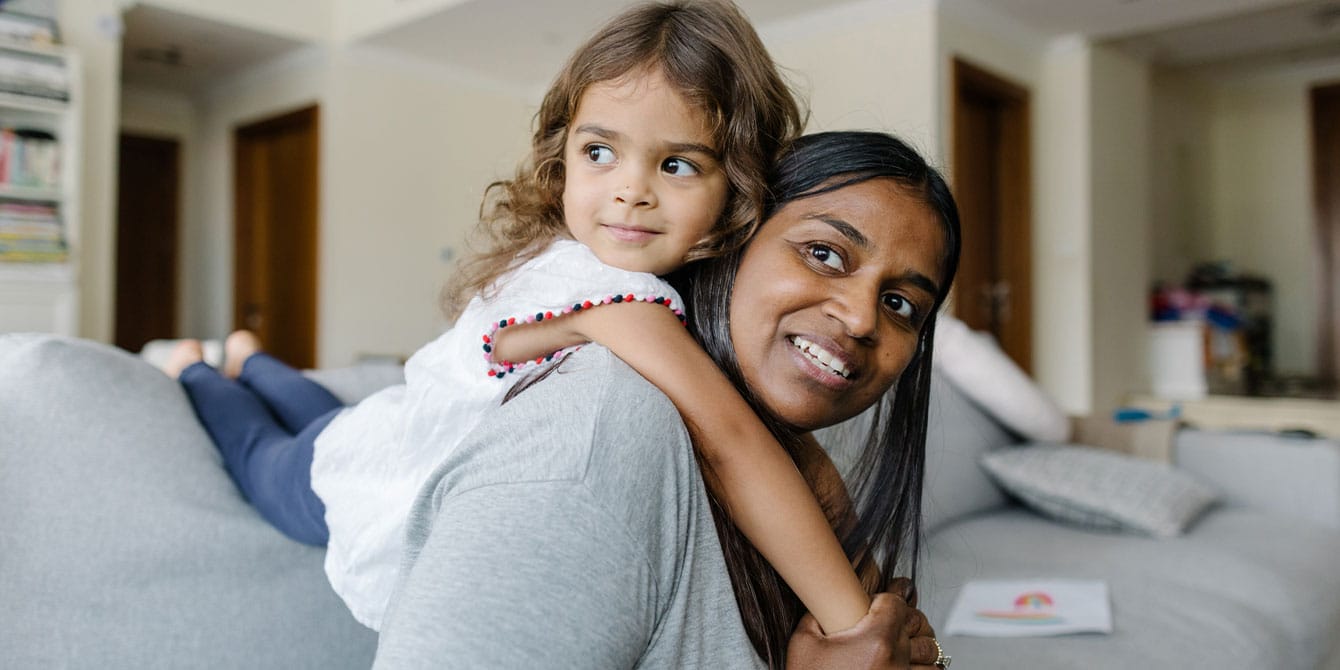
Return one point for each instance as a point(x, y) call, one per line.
point(148, 177)
point(275, 214)
point(993, 288)
point(1326, 191)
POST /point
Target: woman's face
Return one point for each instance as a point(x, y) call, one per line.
point(830, 298)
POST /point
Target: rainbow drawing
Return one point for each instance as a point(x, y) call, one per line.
point(1030, 608)
point(1034, 600)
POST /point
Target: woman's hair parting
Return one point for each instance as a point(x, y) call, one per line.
point(712, 56)
point(887, 481)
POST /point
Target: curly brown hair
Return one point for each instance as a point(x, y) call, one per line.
point(711, 54)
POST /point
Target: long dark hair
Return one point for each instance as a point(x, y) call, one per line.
point(887, 481)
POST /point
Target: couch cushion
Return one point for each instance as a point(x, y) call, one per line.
point(973, 362)
point(124, 542)
point(1242, 589)
point(1100, 489)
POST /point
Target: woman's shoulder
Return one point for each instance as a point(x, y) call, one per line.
point(588, 418)
point(597, 386)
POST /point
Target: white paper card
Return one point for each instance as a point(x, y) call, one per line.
point(1030, 608)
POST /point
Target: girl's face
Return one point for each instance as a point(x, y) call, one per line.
point(643, 178)
point(830, 298)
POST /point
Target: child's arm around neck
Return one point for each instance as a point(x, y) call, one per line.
point(756, 481)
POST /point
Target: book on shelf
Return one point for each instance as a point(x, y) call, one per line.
point(29, 157)
point(28, 29)
point(31, 232)
point(33, 74)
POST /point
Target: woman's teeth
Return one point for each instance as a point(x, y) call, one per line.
point(824, 358)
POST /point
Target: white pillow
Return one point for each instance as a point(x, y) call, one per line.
point(1100, 489)
point(974, 363)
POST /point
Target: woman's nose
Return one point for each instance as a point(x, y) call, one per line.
point(857, 309)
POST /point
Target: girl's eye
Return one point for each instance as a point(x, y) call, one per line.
point(679, 167)
point(599, 154)
point(901, 306)
point(828, 256)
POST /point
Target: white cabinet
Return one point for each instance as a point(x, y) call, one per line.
point(39, 185)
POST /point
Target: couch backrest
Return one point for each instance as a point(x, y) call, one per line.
point(959, 433)
point(124, 544)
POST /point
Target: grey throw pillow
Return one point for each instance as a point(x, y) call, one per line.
point(1100, 489)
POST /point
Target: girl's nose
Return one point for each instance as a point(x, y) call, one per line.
point(635, 189)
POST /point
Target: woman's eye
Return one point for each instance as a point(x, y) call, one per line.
point(828, 256)
point(900, 306)
point(599, 154)
point(679, 167)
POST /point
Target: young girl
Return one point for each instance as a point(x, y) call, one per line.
point(652, 150)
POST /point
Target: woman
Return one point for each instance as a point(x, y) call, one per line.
point(603, 552)
point(824, 182)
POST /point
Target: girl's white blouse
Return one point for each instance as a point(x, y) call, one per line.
point(370, 462)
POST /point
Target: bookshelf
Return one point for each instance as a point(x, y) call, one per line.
point(39, 188)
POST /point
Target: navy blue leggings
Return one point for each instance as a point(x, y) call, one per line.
point(265, 424)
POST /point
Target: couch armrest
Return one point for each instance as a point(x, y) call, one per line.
point(1295, 477)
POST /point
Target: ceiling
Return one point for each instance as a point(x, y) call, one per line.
point(179, 52)
point(485, 37)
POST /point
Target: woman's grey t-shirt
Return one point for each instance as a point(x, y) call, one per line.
point(570, 530)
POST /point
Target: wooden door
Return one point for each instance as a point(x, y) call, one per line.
point(275, 252)
point(146, 240)
point(1326, 191)
point(993, 288)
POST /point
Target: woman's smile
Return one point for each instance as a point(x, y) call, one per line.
point(829, 365)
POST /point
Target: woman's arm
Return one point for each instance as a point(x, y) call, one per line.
point(757, 482)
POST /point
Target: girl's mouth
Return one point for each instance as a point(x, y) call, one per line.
point(630, 233)
point(822, 358)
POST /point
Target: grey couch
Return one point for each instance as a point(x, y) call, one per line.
point(1254, 582)
point(123, 544)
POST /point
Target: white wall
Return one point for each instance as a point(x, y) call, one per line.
point(293, 82)
point(89, 27)
point(1120, 220)
point(1062, 205)
point(865, 66)
point(1180, 174)
point(407, 154)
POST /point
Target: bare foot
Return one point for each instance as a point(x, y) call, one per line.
point(239, 346)
point(183, 356)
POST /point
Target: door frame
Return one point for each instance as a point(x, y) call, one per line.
point(1325, 108)
point(1013, 246)
point(304, 271)
point(125, 334)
